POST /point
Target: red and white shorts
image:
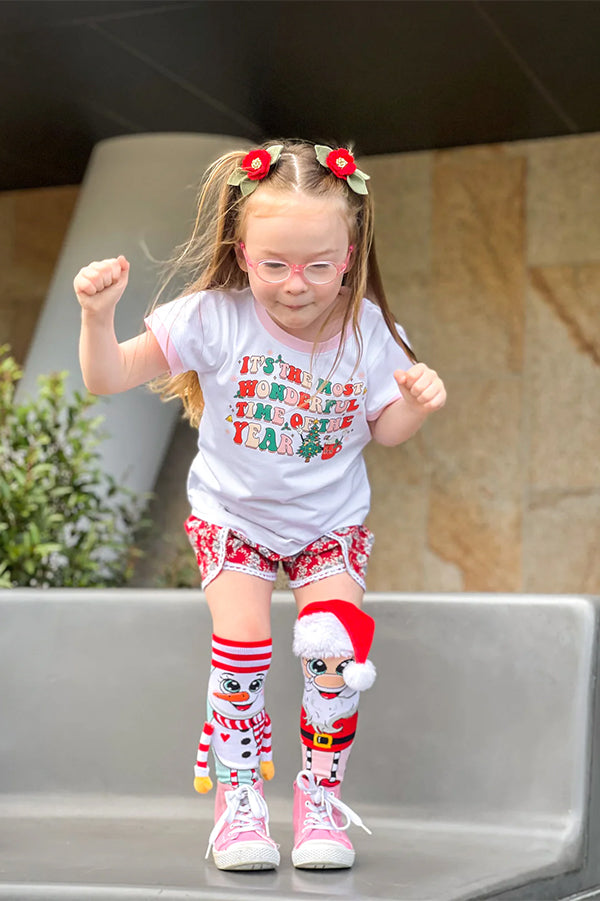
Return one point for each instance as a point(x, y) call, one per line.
point(218, 548)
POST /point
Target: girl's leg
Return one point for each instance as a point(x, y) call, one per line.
point(238, 727)
point(240, 606)
point(327, 728)
point(340, 586)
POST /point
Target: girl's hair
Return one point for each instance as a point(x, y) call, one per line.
point(208, 259)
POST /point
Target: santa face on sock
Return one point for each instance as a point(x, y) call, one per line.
point(336, 630)
point(327, 698)
point(236, 695)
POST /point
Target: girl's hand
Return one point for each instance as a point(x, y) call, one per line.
point(99, 286)
point(421, 387)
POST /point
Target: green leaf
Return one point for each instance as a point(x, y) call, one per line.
point(322, 152)
point(357, 184)
point(237, 177)
point(51, 547)
point(274, 152)
point(62, 490)
point(248, 187)
point(55, 518)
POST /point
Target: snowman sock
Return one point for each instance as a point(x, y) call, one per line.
point(332, 638)
point(238, 728)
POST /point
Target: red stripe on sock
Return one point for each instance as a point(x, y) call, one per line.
point(267, 642)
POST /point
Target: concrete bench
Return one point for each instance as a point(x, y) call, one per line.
point(473, 765)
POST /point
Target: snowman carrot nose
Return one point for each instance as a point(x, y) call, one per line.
point(236, 696)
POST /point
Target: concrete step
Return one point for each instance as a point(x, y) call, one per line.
point(472, 765)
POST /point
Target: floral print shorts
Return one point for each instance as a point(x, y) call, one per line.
point(218, 548)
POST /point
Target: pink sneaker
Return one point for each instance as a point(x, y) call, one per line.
point(240, 839)
point(320, 840)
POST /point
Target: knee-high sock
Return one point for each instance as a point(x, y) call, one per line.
point(327, 720)
point(238, 727)
point(333, 639)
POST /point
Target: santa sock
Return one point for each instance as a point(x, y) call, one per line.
point(238, 728)
point(333, 639)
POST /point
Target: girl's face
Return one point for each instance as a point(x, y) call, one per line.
point(296, 229)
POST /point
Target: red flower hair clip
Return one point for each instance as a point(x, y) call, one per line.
point(341, 163)
point(255, 166)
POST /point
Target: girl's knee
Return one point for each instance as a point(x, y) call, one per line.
point(240, 606)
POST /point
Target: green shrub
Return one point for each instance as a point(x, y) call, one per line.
point(63, 522)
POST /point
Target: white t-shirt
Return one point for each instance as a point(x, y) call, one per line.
point(281, 437)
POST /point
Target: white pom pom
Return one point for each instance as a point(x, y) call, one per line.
point(321, 635)
point(359, 676)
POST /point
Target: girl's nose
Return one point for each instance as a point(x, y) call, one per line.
point(295, 284)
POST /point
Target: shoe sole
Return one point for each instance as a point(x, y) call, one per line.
point(247, 856)
point(318, 855)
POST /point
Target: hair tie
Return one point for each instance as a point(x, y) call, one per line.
point(341, 162)
point(255, 166)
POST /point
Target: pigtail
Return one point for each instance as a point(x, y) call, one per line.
point(206, 261)
point(364, 278)
point(376, 292)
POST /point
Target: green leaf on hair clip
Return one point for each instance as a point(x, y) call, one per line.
point(357, 183)
point(275, 152)
point(248, 186)
point(237, 177)
point(322, 152)
point(362, 174)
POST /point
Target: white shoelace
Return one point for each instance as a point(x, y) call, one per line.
point(246, 810)
point(321, 805)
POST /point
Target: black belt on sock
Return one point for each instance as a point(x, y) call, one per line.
point(326, 740)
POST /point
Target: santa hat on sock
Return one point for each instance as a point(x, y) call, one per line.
point(334, 629)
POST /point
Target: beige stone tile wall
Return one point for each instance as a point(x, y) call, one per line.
point(491, 260)
point(33, 225)
point(495, 275)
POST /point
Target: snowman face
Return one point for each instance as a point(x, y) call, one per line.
point(236, 695)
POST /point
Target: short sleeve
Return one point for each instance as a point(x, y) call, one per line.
point(384, 357)
point(190, 332)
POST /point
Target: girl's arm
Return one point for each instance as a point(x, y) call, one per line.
point(423, 392)
point(107, 366)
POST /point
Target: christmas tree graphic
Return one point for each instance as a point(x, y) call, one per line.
point(311, 446)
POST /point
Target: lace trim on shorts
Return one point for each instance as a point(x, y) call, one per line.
point(322, 558)
point(218, 548)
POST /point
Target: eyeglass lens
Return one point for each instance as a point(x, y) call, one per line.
point(316, 273)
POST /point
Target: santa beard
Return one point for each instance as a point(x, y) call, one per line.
point(322, 713)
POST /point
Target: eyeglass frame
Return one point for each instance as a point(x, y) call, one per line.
point(297, 267)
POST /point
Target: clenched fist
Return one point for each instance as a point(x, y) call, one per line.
point(421, 387)
point(100, 285)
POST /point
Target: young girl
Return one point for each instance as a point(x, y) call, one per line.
point(289, 371)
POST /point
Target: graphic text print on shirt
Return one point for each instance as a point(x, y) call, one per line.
point(283, 409)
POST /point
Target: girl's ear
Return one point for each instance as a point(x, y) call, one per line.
point(349, 266)
point(239, 255)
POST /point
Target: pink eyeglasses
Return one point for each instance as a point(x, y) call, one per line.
point(322, 272)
